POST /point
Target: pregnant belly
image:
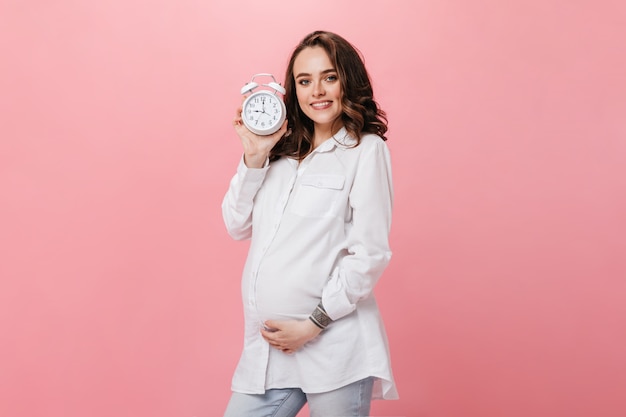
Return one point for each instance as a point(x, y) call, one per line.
point(284, 299)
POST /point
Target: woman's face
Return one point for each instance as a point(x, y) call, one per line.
point(318, 88)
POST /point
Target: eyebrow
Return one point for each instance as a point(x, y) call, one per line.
point(304, 74)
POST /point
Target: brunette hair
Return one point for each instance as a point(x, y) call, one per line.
point(360, 114)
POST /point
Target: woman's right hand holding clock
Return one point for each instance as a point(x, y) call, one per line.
point(256, 148)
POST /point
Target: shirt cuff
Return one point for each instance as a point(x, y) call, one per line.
point(243, 168)
point(250, 179)
point(335, 299)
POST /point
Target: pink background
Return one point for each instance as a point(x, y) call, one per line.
point(119, 290)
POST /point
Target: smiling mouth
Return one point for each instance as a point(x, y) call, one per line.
point(321, 105)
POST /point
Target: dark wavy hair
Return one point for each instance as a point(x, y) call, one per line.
point(361, 114)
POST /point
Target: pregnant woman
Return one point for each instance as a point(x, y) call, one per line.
point(315, 198)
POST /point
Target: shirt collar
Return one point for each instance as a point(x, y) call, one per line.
point(340, 138)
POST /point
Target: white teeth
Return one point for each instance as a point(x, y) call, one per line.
point(324, 104)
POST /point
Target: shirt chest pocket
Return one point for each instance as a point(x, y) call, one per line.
point(318, 195)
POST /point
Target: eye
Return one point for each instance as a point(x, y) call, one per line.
point(331, 78)
point(304, 82)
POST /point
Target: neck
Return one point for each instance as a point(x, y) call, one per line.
point(324, 132)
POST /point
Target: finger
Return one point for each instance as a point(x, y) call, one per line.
point(272, 325)
point(270, 336)
point(267, 335)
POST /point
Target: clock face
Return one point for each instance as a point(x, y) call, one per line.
point(263, 113)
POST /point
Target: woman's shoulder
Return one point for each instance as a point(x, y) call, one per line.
point(367, 140)
point(372, 139)
point(372, 143)
point(371, 146)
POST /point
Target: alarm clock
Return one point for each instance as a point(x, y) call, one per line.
point(263, 112)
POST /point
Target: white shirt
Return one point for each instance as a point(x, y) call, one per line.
point(319, 231)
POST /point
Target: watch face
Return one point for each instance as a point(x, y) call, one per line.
point(263, 113)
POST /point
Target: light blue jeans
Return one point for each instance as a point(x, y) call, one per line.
point(350, 401)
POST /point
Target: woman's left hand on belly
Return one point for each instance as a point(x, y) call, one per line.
point(289, 335)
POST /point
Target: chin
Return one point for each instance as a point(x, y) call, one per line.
point(325, 121)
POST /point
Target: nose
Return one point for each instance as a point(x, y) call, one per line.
point(318, 90)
